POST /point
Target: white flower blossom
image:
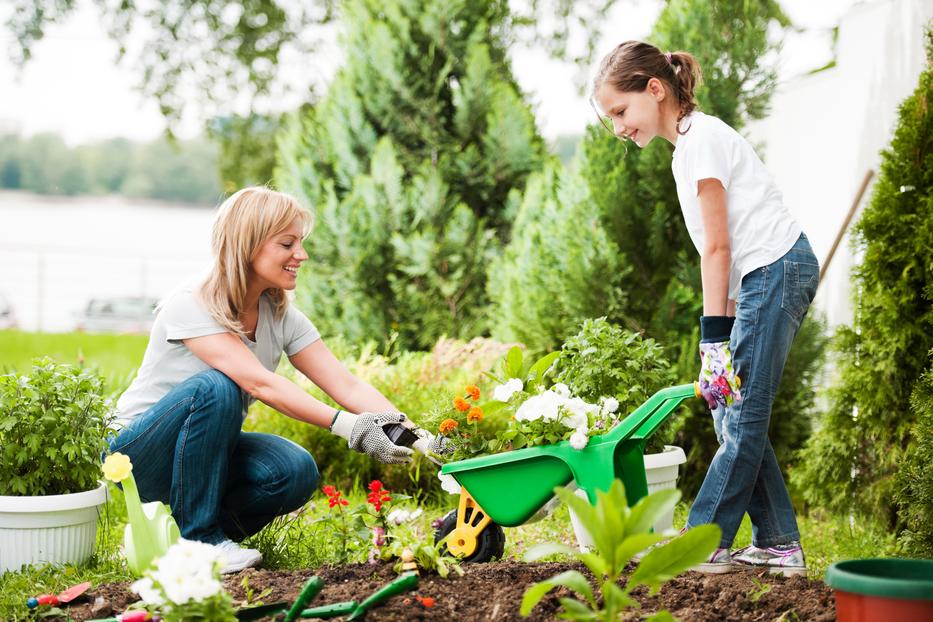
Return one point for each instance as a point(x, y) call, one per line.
point(561, 389)
point(545, 405)
point(609, 404)
point(185, 573)
point(504, 392)
point(147, 591)
point(579, 439)
point(399, 516)
point(449, 484)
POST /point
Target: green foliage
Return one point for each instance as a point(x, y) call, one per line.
point(161, 169)
point(52, 427)
point(408, 162)
point(603, 360)
point(619, 533)
point(915, 478)
point(560, 266)
point(851, 461)
point(247, 146)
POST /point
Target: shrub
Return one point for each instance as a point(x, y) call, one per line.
point(53, 422)
point(915, 479)
point(851, 461)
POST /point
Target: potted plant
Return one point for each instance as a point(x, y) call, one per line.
point(53, 422)
point(604, 360)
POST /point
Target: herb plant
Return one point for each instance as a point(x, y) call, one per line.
point(53, 422)
point(619, 533)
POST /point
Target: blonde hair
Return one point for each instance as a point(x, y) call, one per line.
point(242, 224)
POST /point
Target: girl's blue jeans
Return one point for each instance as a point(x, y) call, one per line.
point(189, 451)
point(744, 475)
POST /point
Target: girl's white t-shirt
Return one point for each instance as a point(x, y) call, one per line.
point(168, 361)
point(761, 229)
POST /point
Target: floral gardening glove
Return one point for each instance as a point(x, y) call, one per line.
point(718, 383)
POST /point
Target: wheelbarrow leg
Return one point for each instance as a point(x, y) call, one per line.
point(630, 468)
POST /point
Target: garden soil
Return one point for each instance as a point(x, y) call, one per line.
point(494, 592)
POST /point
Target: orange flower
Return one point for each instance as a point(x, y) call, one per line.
point(447, 425)
point(461, 404)
point(475, 414)
point(473, 391)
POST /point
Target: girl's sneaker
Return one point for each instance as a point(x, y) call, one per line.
point(784, 559)
point(236, 557)
point(719, 562)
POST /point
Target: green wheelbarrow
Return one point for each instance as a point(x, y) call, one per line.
point(507, 489)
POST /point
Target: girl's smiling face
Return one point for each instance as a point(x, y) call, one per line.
point(277, 261)
point(638, 116)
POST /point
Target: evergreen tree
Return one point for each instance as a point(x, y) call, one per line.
point(915, 480)
point(408, 163)
point(853, 458)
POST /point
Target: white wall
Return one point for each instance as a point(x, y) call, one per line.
point(826, 130)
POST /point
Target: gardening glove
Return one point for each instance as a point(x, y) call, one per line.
point(365, 433)
point(718, 383)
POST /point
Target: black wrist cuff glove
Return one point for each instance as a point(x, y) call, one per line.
point(715, 328)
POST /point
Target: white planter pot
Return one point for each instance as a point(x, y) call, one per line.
point(53, 528)
point(661, 470)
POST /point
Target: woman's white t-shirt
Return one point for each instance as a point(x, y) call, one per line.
point(168, 361)
point(761, 229)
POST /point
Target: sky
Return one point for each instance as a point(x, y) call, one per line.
point(74, 86)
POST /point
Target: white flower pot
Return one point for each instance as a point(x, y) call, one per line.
point(53, 528)
point(661, 470)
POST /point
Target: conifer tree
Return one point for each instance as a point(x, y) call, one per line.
point(851, 462)
point(408, 163)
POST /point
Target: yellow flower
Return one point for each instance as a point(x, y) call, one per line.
point(117, 467)
point(475, 414)
point(447, 425)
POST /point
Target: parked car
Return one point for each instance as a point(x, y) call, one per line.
point(7, 315)
point(130, 314)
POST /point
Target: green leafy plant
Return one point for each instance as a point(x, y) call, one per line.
point(760, 589)
point(250, 597)
point(619, 533)
point(408, 540)
point(53, 422)
point(604, 360)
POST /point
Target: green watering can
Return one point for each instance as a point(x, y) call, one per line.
point(151, 529)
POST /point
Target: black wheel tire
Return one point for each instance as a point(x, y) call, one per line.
point(490, 543)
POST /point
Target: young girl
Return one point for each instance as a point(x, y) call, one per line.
point(213, 349)
point(759, 276)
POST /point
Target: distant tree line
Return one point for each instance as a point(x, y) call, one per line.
point(184, 171)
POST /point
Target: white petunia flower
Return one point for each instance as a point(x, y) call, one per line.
point(449, 484)
point(504, 392)
point(561, 389)
point(579, 439)
point(147, 591)
point(545, 405)
point(609, 404)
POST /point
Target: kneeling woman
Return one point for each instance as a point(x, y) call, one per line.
point(213, 349)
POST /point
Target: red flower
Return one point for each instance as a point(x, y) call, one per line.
point(378, 495)
point(333, 497)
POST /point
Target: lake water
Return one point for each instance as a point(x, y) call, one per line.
point(56, 253)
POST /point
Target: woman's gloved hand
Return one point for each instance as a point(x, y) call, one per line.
point(365, 433)
point(718, 383)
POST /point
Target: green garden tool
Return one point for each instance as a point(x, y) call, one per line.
point(151, 530)
point(407, 581)
point(307, 594)
point(331, 611)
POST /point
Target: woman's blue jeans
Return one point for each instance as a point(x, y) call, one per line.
point(188, 451)
point(744, 475)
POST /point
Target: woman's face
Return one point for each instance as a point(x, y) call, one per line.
point(633, 115)
point(278, 259)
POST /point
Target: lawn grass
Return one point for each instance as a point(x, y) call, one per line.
point(115, 357)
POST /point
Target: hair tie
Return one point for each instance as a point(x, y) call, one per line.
point(667, 55)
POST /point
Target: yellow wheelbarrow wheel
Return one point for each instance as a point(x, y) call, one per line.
point(470, 545)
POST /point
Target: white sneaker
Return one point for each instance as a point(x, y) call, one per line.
point(235, 557)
